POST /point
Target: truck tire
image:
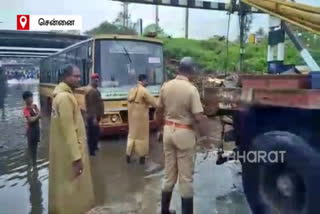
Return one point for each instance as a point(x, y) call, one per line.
point(288, 185)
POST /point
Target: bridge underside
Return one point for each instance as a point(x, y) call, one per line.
point(194, 4)
point(33, 44)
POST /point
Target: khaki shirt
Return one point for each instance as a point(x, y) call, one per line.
point(180, 100)
point(94, 103)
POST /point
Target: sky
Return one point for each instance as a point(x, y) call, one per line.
point(202, 23)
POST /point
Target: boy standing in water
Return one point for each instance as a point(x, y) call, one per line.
point(32, 115)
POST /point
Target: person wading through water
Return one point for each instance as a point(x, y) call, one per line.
point(32, 115)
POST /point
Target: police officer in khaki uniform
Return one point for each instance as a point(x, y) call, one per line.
point(180, 107)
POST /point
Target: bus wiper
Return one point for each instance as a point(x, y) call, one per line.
point(125, 50)
point(127, 54)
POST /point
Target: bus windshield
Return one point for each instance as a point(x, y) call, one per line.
point(122, 61)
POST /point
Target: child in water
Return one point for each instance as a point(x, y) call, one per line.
point(32, 115)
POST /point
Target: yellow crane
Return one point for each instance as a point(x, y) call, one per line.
point(282, 12)
point(301, 15)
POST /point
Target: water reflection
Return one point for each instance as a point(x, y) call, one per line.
point(3, 94)
point(33, 180)
point(23, 167)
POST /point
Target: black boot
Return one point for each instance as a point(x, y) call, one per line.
point(187, 206)
point(128, 159)
point(165, 202)
point(142, 160)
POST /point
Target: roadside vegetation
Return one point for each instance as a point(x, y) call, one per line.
point(212, 55)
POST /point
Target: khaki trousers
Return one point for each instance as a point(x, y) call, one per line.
point(179, 147)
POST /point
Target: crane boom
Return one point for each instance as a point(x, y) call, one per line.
point(301, 15)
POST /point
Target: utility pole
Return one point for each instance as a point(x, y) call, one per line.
point(187, 23)
point(140, 23)
point(125, 14)
point(157, 18)
point(242, 17)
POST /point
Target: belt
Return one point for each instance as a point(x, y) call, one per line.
point(135, 102)
point(178, 125)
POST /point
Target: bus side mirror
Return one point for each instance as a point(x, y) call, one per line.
point(89, 51)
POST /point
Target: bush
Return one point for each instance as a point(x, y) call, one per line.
point(211, 54)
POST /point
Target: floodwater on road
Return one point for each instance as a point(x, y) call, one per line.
point(23, 174)
point(119, 187)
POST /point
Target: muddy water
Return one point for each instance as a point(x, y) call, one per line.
point(119, 187)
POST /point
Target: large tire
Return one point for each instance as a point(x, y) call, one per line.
point(290, 186)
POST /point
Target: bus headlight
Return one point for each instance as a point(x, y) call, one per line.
point(114, 118)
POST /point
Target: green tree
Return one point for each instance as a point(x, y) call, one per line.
point(108, 28)
point(152, 28)
point(121, 20)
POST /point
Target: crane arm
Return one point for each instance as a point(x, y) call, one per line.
point(301, 15)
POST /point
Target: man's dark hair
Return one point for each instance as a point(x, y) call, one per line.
point(142, 77)
point(26, 95)
point(67, 71)
point(187, 65)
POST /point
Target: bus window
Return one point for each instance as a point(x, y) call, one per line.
point(49, 71)
point(54, 70)
point(122, 61)
point(44, 71)
point(70, 57)
point(159, 77)
point(82, 63)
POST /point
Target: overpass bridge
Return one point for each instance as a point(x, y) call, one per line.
point(34, 44)
point(23, 50)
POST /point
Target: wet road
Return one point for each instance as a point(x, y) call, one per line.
point(134, 190)
point(119, 188)
point(23, 176)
